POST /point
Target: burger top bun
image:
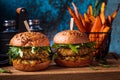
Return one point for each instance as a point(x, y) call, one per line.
point(70, 37)
point(29, 39)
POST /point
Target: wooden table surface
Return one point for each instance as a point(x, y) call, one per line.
point(60, 73)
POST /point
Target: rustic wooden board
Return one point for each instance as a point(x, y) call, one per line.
point(60, 73)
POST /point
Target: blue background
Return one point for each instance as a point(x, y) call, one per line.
point(54, 16)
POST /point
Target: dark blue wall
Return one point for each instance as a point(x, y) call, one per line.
point(54, 16)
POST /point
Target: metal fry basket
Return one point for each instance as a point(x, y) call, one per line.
point(102, 40)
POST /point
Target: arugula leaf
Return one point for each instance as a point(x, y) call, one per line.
point(93, 68)
point(73, 48)
point(53, 57)
point(13, 52)
point(4, 71)
point(38, 49)
point(90, 44)
point(59, 45)
point(47, 48)
point(16, 51)
point(96, 8)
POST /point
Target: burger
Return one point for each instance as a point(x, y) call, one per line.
point(29, 51)
point(72, 49)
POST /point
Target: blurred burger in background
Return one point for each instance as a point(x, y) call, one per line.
point(30, 51)
point(73, 49)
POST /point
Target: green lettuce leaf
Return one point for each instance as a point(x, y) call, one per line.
point(15, 51)
point(4, 71)
point(75, 47)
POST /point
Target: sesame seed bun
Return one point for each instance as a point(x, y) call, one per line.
point(29, 39)
point(70, 37)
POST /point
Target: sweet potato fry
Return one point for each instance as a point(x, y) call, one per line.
point(89, 11)
point(102, 28)
point(115, 13)
point(88, 22)
point(97, 25)
point(91, 18)
point(78, 22)
point(92, 37)
point(76, 10)
point(88, 26)
point(102, 14)
point(95, 28)
point(102, 36)
point(109, 21)
point(83, 20)
point(106, 29)
point(86, 18)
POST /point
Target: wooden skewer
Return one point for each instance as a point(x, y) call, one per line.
point(27, 26)
point(71, 23)
point(77, 21)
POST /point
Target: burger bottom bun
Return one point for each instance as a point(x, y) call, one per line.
point(77, 63)
point(30, 67)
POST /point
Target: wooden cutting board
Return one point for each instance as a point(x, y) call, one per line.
point(111, 72)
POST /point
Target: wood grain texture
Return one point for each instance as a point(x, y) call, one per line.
point(60, 73)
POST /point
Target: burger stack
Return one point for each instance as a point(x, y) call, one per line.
point(30, 51)
point(73, 49)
